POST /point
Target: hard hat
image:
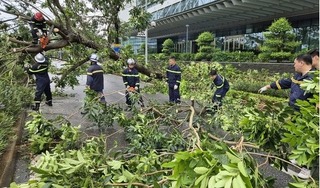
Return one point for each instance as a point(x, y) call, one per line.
point(94, 58)
point(40, 58)
point(38, 16)
point(130, 61)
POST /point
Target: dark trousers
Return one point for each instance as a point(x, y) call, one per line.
point(43, 86)
point(129, 101)
point(174, 95)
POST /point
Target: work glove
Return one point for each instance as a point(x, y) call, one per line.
point(56, 30)
point(263, 89)
point(136, 88)
point(175, 87)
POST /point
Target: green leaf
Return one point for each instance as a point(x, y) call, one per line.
point(115, 165)
point(228, 183)
point(201, 170)
point(80, 157)
point(242, 169)
point(169, 165)
point(212, 181)
point(297, 185)
point(199, 179)
point(39, 170)
point(233, 159)
point(238, 182)
point(204, 182)
point(128, 175)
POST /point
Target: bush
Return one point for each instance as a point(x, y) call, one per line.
point(221, 56)
point(186, 56)
point(168, 46)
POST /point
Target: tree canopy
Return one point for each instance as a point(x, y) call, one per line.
point(89, 26)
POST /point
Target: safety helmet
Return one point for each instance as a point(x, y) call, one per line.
point(131, 61)
point(38, 16)
point(40, 58)
point(94, 58)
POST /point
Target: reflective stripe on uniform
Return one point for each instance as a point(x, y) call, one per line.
point(218, 95)
point(94, 72)
point(176, 72)
point(39, 70)
point(130, 75)
point(296, 81)
point(178, 81)
point(278, 85)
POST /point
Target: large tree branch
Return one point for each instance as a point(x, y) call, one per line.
point(54, 11)
point(58, 5)
point(73, 68)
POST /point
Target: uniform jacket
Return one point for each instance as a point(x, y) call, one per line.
point(173, 75)
point(131, 77)
point(40, 70)
point(222, 87)
point(293, 83)
point(95, 77)
point(35, 24)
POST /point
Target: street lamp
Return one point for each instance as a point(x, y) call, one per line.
point(187, 38)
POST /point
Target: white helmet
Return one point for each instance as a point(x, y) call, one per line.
point(40, 58)
point(131, 61)
point(94, 58)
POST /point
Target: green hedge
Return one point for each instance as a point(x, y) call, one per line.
point(221, 56)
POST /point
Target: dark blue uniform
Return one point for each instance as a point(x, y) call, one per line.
point(95, 79)
point(131, 78)
point(293, 83)
point(222, 88)
point(174, 78)
point(35, 25)
point(40, 70)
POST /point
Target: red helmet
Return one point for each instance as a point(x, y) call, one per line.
point(38, 16)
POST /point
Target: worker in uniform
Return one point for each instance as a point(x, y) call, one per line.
point(40, 70)
point(95, 77)
point(303, 65)
point(37, 23)
point(131, 80)
point(173, 80)
point(222, 88)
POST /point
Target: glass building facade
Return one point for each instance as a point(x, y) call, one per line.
point(239, 36)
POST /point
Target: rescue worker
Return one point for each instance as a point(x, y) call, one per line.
point(95, 77)
point(302, 65)
point(40, 70)
point(131, 80)
point(37, 23)
point(174, 79)
point(315, 58)
point(222, 88)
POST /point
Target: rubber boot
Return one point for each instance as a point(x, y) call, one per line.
point(36, 107)
point(49, 102)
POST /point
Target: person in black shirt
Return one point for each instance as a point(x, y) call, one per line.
point(131, 80)
point(174, 79)
point(37, 23)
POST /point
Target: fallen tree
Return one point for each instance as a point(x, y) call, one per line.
point(74, 29)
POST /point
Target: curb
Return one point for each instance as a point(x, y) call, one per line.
point(8, 160)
